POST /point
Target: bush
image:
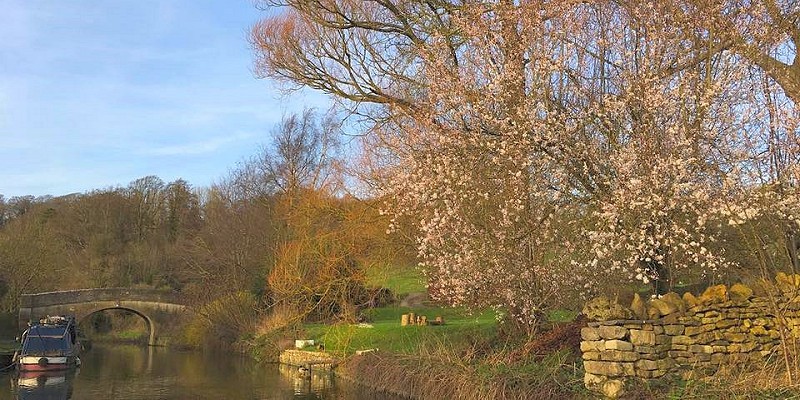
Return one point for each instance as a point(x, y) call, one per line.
point(223, 321)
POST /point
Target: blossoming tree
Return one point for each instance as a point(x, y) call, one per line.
point(542, 147)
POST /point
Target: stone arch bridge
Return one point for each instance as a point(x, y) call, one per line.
point(156, 307)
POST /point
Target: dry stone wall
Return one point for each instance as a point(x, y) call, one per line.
point(678, 334)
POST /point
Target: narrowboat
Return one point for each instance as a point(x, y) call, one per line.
point(50, 345)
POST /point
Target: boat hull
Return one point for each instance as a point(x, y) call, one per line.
point(35, 364)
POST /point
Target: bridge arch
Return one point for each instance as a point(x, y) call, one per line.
point(151, 326)
point(154, 306)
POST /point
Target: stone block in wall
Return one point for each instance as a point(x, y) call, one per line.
point(701, 348)
point(612, 332)
point(741, 293)
point(666, 364)
point(761, 321)
point(651, 356)
point(745, 347)
point(675, 300)
point(773, 334)
point(591, 380)
point(609, 368)
point(613, 388)
point(674, 330)
point(735, 337)
point(689, 299)
point(750, 347)
point(696, 330)
point(726, 323)
point(702, 357)
point(759, 331)
point(640, 337)
point(714, 294)
point(653, 312)
point(638, 307)
point(593, 345)
point(618, 345)
point(654, 349)
point(616, 355)
point(650, 327)
point(664, 307)
point(788, 284)
point(662, 339)
point(709, 337)
point(650, 374)
point(682, 339)
point(590, 334)
point(604, 309)
point(647, 365)
point(672, 318)
point(680, 354)
point(764, 339)
point(591, 355)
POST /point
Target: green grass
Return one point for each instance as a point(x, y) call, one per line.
point(401, 280)
point(562, 315)
point(386, 333)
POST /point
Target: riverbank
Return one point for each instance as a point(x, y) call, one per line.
point(465, 358)
point(432, 377)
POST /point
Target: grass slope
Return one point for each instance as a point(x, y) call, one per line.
point(386, 333)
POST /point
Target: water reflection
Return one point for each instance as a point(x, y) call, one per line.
point(131, 373)
point(305, 384)
point(51, 385)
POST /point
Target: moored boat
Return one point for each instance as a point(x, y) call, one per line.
point(50, 345)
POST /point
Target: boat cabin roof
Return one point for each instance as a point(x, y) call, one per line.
point(47, 330)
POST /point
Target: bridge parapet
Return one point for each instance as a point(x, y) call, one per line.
point(100, 294)
point(154, 306)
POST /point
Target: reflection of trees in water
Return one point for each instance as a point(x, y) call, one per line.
point(319, 382)
point(127, 372)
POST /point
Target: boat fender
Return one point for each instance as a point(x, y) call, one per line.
point(43, 362)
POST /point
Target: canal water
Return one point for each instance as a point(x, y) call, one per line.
point(127, 372)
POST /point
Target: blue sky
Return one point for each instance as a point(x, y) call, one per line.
point(97, 93)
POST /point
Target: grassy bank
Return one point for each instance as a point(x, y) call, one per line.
point(383, 331)
point(401, 281)
point(466, 357)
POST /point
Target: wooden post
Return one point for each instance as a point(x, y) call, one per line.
point(404, 320)
point(412, 319)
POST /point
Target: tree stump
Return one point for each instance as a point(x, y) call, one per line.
point(412, 318)
point(404, 320)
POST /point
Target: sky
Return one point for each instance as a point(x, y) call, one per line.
point(97, 93)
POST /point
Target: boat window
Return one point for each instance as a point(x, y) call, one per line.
point(37, 344)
